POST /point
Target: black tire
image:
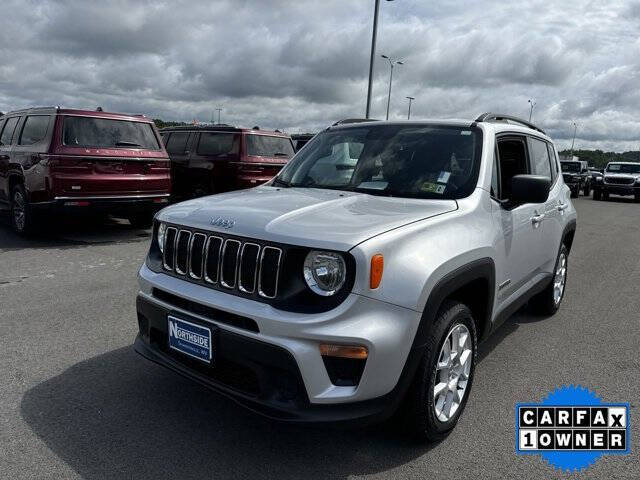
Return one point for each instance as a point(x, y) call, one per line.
point(545, 303)
point(141, 220)
point(22, 216)
point(587, 189)
point(597, 195)
point(574, 192)
point(420, 418)
point(605, 195)
point(636, 198)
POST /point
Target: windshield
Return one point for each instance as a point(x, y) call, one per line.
point(425, 161)
point(107, 133)
point(623, 168)
point(265, 146)
point(570, 166)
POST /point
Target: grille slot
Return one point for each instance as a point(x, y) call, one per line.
point(250, 268)
point(182, 251)
point(169, 248)
point(196, 255)
point(212, 259)
point(269, 272)
point(229, 263)
point(620, 180)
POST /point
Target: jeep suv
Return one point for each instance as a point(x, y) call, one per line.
point(620, 178)
point(577, 176)
point(358, 282)
point(60, 160)
point(220, 158)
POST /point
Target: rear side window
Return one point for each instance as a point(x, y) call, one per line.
point(539, 156)
point(108, 133)
point(7, 131)
point(265, 146)
point(212, 143)
point(554, 161)
point(34, 130)
point(177, 142)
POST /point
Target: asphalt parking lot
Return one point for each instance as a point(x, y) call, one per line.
point(77, 402)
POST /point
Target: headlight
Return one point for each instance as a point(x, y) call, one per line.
point(598, 179)
point(162, 230)
point(324, 272)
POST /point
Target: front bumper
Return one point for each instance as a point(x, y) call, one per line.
point(289, 379)
point(633, 189)
point(109, 204)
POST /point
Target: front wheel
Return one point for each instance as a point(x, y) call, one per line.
point(441, 386)
point(597, 195)
point(587, 189)
point(548, 301)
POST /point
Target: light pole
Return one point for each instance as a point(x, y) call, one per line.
point(218, 110)
point(392, 63)
point(376, 8)
point(575, 128)
point(409, 112)
point(532, 104)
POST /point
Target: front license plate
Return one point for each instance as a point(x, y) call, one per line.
point(190, 339)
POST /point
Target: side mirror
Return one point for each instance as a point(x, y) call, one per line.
point(529, 189)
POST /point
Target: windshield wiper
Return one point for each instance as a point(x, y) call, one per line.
point(127, 144)
point(282, 183)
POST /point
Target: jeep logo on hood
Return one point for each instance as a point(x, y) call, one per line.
point(223, 222)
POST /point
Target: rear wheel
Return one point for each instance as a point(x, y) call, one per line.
point(441, 386)
point(141, 220)
point(22, 218)
point(587, 189)
point(548, 301)
point(597, 195)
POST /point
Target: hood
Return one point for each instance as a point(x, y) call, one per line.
point(309, 217)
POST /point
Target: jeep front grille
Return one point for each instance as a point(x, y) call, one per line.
point(619, 180)
point(228, 263)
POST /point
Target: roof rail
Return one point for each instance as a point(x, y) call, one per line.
point(498, 117)
point(353, 120)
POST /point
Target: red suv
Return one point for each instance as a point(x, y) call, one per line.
point(54, 159)
point(219, 158)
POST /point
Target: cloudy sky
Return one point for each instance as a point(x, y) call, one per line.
point(300, 65)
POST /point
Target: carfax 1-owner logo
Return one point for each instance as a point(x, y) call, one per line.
point(572, 427)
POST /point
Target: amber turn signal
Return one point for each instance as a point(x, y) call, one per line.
point(344, 351)
point(377, 267)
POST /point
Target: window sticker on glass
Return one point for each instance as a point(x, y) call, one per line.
point(432, 187)
point(465, 132)
point(444, 177)
point(374, 185)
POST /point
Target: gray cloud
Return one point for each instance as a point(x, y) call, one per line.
point(302, 65)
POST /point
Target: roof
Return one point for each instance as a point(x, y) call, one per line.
point(222, 128)
point(72, 111)
point(625, 163)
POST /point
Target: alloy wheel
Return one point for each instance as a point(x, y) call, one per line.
point(452, 372)
point(18, 210)
point(560, 278)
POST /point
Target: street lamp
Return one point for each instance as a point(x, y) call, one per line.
point(409, 112)
point(218, 110)
point(373, 54)
point(532, 104)
point(575, 128)
point(392, 63)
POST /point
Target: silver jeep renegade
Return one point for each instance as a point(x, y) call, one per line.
point(359, 281)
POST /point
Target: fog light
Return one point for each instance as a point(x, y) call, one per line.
point(344, 363)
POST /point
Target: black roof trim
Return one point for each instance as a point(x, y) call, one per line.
point(354, 120)
point(221, 126)
point(499, 117)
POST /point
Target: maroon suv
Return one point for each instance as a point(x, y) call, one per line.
point(219, 158)
point(54, 159)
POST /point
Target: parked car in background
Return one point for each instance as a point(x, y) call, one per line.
point(220, 158)
point(301, 139)
point(62, 160)
point(576, 175)
point(359, 281)
point(620, 178)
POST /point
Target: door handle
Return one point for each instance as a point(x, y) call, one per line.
point(562, 207)
point(536, 219)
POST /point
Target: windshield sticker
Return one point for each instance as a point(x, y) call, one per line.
point(374, 185)
point(432, 187)
point(614, 167)
point(465, 132)
point(444, 177)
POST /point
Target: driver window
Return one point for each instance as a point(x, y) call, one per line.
point(512, 158)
